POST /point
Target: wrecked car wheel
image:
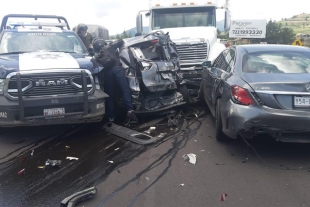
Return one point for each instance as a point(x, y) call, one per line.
point(219, 135)
point(184, 91)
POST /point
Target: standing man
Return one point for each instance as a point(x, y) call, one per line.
point(114, 74)
point(85, 36)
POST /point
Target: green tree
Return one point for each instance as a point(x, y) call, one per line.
point(118, 36)
point(218, 32)
point(124, 35)
point(130, 34)
point(286, 36)
point(276, 34)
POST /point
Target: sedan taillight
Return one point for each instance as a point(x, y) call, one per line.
point(241, 96)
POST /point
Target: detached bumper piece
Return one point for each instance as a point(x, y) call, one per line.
point(129, 134)
point(72, 200)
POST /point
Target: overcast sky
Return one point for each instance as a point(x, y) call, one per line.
point(119, 15)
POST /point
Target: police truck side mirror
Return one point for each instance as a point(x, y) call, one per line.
point(227, 20)
point(206, 64)
point(139, 24)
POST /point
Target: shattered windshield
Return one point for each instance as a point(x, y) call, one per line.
point(14, 42)
point(183, 17)
point(277, 62)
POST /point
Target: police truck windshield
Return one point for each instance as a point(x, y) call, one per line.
point(17, 42)
point(183, 17)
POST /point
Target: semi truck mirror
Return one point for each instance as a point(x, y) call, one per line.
point(227, 20)
point(147, 14)
point(139, 23)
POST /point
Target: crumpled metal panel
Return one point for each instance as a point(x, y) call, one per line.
point(155, 102)
point(129, 134)
point(159, 77)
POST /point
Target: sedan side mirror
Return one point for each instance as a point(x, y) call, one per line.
point(206, 64)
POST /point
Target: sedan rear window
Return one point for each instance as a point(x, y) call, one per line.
point(276, 62)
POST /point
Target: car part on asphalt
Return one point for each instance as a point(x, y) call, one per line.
point(72, 158)
point(129, 134)
point(223, 196)
point(75, 198)
point(150, 130)
point(21, 171)
point(190, 157)
point(54, 163)
point(173, 119)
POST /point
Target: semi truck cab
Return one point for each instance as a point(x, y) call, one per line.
point(192, 27)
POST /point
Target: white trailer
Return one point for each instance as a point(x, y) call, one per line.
point(192, 26)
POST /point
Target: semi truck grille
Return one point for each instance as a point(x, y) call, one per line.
point(45, 86)
point(193, 52)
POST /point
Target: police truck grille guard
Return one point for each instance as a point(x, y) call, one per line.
point(47, 85)
point(80, 79)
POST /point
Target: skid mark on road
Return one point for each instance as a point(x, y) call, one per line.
point(177, 145)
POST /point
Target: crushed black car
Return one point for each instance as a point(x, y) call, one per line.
point(151, 63)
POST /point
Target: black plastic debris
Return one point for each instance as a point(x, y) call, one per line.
point(129, 134)
point(173, 119)
point(244, 161)
point(78, 197)
point(53, 163)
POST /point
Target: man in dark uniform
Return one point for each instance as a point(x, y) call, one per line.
point(85, 36)
point(113, 74)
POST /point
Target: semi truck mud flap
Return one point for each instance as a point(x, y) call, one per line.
point(129, 134)
point(72, 200)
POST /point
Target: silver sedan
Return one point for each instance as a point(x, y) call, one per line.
point(259, 89)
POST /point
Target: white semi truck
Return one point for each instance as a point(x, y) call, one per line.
point(192, 26)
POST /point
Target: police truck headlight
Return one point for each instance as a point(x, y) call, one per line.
point(1, 85)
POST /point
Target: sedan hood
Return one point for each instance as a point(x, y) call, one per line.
point(45, 60)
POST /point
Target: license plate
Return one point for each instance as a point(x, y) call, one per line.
point(55, 111)
point(302, 101)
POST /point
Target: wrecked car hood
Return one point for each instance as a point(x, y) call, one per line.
point(191, 34)
point(46, 60)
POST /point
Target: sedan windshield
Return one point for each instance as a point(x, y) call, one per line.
point(18, 42)
point(277, 62)
point(183, 17)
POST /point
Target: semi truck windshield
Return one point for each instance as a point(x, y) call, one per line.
point(183, 17)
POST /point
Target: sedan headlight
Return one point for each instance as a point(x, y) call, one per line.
point(1, 85)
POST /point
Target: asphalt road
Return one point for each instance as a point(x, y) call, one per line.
point(269, 174)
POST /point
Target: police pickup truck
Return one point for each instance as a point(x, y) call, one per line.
point(46, 74)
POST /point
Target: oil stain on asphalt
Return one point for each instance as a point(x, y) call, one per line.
point(26, 181)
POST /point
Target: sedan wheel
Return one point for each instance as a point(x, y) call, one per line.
point(219, 135)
